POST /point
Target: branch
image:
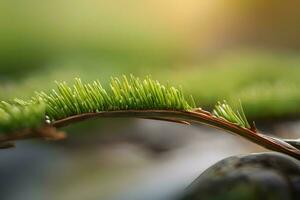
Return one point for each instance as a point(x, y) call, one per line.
point(48, 132)
point(193, 116)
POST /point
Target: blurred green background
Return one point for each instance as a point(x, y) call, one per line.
point(214, 49)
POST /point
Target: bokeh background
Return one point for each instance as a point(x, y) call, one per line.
point(214, 49)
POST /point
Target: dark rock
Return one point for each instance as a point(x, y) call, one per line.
point(264, 176)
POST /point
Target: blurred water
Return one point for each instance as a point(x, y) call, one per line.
point(123, 170)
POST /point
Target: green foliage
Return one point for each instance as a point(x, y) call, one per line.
point(224, 111)
point(127, 93)
point(19, 115)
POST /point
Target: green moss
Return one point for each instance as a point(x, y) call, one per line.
point(127, 93)
point(20, 115)
point(124, 94)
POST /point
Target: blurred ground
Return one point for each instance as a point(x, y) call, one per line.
point(215, 50)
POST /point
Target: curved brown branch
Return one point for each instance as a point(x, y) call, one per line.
point(186, 117)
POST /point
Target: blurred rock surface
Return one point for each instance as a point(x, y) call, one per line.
point(265, 176)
